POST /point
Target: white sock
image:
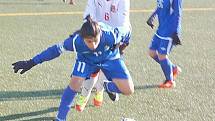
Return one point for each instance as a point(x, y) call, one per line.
point(99, 84)
point(87, 86)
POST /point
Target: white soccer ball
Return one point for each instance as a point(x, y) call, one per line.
point(127, 119)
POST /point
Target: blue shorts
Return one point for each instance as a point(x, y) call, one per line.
point(112, 69)
point(162, 45)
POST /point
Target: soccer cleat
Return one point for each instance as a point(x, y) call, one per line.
point(167, 84)
point(98, 99)
point(176, 72)
point(81, 103)
point(113, 96)
point(64, 1)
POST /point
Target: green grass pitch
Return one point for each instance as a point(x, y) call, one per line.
point(29, 26)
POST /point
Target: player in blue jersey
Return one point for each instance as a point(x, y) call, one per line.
point(169, 14)
point(97, 49)
point(114, 13)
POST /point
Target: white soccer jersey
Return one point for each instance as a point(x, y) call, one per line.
point(112, 12)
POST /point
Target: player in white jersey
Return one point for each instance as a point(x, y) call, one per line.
point(116, 14)
point(112, 12)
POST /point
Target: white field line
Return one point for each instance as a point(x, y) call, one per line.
point(80, 12)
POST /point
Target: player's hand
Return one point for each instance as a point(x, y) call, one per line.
point(176, 39)
point(150, 22)
point(122, 48)
point(23, 66)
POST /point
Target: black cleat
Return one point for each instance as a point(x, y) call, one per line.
point(112, 95)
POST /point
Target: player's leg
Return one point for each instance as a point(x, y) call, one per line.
point(165, 63)
point(121, 81)
point(153, 48)
point(86, 89)
point(153, 53)
point(68, 97)
point(98, 98)
point(81, 70)
point(126, 41)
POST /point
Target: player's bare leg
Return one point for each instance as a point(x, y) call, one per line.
point(124, 86)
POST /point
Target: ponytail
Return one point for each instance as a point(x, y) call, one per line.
point(90, 28)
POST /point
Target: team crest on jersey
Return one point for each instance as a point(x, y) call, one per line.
point(107, 47)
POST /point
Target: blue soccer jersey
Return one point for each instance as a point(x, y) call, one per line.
point(109, 38)
point(169, 17)
point(105, 57)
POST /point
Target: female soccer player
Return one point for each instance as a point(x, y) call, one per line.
point(97, 49)
point(169, 14)
point(116, 14)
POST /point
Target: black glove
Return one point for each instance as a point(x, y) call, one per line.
point(175, 39)
point(122, 48)
point(24, 65)
point(150, 22)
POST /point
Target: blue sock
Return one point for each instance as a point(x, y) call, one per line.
point(158, 61)
point(65, 104)
point(166, 66)
point(111, 87)
point(173, 65)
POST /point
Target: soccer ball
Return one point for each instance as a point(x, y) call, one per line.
point(127, 119)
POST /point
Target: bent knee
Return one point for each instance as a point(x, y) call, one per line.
point(125, 86)
point(162, 56)
point(152, 53)
point(76, 82)
point(128, 92)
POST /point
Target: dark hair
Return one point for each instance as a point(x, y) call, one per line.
point(90, 28)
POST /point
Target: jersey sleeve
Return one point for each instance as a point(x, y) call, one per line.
point(90, 10)
point(56, 50)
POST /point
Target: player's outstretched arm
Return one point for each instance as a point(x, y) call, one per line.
point(47, 55)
